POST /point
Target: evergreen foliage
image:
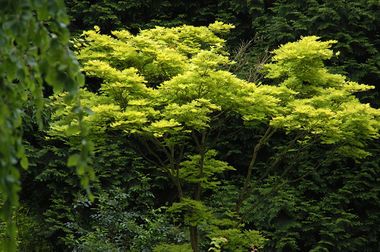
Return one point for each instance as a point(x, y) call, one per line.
point(319, 204)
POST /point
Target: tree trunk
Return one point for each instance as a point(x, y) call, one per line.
point(194, 238)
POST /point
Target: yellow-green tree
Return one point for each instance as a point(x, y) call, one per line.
point(168, 91)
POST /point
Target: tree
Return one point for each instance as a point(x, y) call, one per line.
point(168, 91)
point(165, 88)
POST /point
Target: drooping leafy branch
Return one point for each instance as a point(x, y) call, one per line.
point(34, 52)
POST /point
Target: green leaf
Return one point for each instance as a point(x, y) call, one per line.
point(73, 160)
point(24, 162)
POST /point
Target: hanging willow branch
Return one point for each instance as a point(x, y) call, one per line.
point(33, 52)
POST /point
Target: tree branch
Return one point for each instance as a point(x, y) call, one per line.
point(264, 139)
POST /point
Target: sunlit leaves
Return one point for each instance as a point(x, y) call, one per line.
point(169, 79)
point(193, 115)
point(323, 103)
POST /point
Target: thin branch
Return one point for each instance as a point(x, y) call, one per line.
point(264, 139)
point(146, 145)
point(202, 153)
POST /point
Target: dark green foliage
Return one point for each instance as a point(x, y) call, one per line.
point(121, 226)
point(329, 205)
point(134, 15)
point(123, 215)
point(50, 190)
